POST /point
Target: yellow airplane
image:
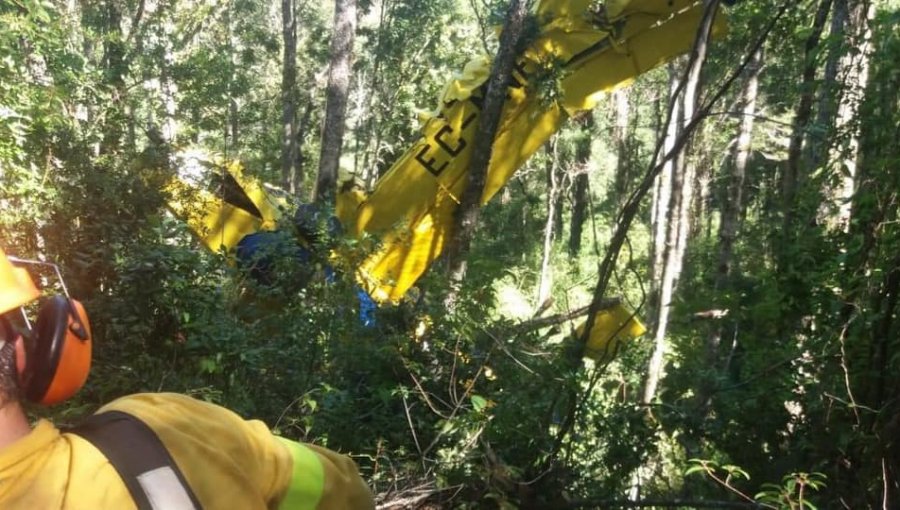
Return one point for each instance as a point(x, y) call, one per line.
point(594, 47)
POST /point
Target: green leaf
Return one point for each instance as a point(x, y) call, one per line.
point(695, 469)
point(447, 426)
point(736, 471)
point(479, 403)
point(208, 366)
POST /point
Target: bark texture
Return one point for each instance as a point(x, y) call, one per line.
point(553, 207)
point(466, 217)
point(288, 96)
point(662, 189)
point(853, 73)
point(803, 115)
point(677, 212)
point(732, 205)
point(336, 98)
point(620, 141)
point(580, 191)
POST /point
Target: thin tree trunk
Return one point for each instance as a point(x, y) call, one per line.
point(288, 96)
point(371, 121)
point(336, 98)
point(131, 127)
point(234, 122)
point(687, 172)
point(829, 90)
point(687, 160)
point(802, 117)
point(167, 87)
point(670, 271)
point(116, 68)
point(298, 174)
point(678, 221)
point(580, 194)
point(232, 129)
point(467, 214)
point(166, 90)
point(620, 141)
point(854, 73)
point(704, 178)
point(579, 212)
point(545, 281)
point(732, 205)
point(195, 120)
point(662, 194)
point(884, 304)
point(665, 237)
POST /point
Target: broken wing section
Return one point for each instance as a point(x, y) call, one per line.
point(219, 203)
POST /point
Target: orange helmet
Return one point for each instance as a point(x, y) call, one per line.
point(16, 287)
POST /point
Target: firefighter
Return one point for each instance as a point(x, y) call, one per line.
point(153, 451)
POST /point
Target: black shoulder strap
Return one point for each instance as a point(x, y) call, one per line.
point(141, 459)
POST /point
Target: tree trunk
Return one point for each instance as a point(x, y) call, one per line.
point(671, 269)
point(802, 117)
point(167, 87)
point(116, 68)
point(620, 141)
point(704, 179)
point(687, 172)
point(545, 281)
point(580, 194)
point(662, 194)
point(466, 217)
point(733, 203)
point(829, 89)
point(885, 306)
point(853, 72)
point(687, 159)
point(579, 212)
point(665, 238)
point(336, 98)
point(298, 174)
point(234, 122)
point(288, 96)
point(677, 220)
point(370, 122)
point(731, 207)
point(163, 129)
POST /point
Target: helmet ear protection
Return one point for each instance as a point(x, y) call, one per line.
point(53, 356)
point(54, 363)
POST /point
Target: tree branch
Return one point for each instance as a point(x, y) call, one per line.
point(553, 320)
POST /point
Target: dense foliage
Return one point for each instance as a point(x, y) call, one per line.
point(780, 344)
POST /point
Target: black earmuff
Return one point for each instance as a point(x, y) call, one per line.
point(56, 358)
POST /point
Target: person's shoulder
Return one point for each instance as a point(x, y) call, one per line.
point(154, 397)
point(168, 406)
point(156, 400)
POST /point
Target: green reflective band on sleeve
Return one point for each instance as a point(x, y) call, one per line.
point(307, 481)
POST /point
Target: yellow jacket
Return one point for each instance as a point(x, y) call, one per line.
point(229, 463)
